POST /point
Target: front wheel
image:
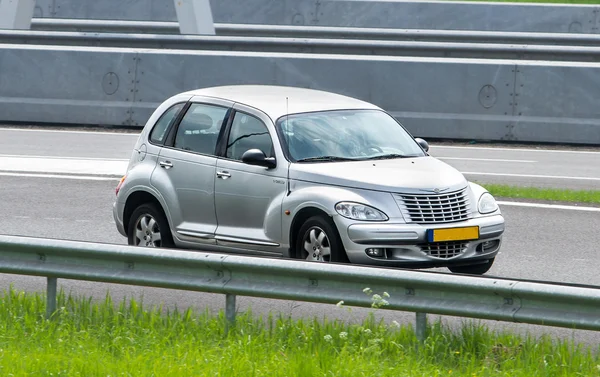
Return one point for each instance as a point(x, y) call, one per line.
point(318, 241)
point(148, 227)
point(475, 269)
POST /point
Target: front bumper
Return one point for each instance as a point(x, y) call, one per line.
point(407, 245)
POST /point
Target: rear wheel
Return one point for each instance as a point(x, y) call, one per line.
point(148, 227)
point(319, 241)
point(475, 269)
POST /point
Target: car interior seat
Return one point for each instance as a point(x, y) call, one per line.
point(192, 134)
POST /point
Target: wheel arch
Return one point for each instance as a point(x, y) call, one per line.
point(299, 219)
point(134, 200)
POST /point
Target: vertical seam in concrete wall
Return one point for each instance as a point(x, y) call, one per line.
point(134, 89)
point(53, 9)
point(514, 103)
point(315, 20)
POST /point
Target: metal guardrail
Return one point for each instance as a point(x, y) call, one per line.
point(457, 15)
point(305, 45)
point(509, 300)
point(325, 32)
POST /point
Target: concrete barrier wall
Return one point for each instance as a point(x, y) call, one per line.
point(433, 98)
point(359, 13)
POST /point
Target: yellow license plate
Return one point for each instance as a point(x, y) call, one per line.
point(453, 234)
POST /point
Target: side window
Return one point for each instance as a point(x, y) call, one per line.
point(159, 131)
point(248, 132)
point(199, 129)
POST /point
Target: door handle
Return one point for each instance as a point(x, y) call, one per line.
point(166, 164)
point(223, 174)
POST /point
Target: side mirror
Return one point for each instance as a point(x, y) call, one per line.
point(258, 157)
point(423, 144)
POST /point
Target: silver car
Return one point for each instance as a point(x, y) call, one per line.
point(300, 173)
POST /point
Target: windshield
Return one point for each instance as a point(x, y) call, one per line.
point(345, 135)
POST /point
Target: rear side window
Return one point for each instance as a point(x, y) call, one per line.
point(199, 128)
point(159, 132)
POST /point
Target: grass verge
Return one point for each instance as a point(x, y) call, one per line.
point(547, 194)
point(104, 339)
point(539, 1)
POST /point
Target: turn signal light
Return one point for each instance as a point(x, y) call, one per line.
point(119, 185)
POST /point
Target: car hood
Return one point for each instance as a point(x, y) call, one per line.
point(408, 175)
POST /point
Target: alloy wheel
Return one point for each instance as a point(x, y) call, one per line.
point(316, 245)
point(147, 232)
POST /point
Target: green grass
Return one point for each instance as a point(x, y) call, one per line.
point(540, 1)
point(106, 339)
point(562, 195)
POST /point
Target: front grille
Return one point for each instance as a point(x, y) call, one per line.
point(435, 209)
point(444, 250)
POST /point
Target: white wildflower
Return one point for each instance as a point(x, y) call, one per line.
point(328, 338)
point(343, 335)
point(339, 304)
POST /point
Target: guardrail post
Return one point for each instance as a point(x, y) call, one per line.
point(16, 14)
point(194, 16)
point(229, 311)
point(51, 296)
point(421, 326)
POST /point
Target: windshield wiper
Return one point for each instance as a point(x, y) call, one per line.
point(326, 158)
point(387, 156)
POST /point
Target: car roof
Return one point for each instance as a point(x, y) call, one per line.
point(271, 99)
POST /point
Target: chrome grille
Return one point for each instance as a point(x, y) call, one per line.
point(444, 250)
point(435, 209)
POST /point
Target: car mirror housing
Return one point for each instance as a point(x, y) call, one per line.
point(258, 157)
point(423, 144)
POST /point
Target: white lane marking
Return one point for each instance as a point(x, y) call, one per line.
point(517, 149)
point(69, 131)
point(59, 176)
point(62, 157)
point(533, 176)
point(64, 166)
point(484, 159)
point(22, 217)
point(549, 206)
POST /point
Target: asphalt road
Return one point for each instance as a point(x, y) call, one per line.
point(542, 167)
point(540, 243)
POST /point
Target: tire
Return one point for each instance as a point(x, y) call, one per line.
point(156, 225)
point(474, 269)
point(319, 234)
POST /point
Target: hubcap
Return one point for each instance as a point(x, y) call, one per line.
point(147, 232)
point(316, 245)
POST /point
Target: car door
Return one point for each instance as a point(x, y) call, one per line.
point(185, 175)
point(248, 197)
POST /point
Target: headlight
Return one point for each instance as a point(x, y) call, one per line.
point(487, 203)
point(356, 211)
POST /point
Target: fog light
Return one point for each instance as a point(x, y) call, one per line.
point(376, 252)
point(487, 245)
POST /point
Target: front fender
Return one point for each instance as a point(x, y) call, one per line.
point(305, 195)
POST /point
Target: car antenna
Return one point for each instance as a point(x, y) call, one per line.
point(287, 114)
